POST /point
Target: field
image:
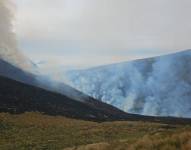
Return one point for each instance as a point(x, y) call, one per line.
point(35, 131)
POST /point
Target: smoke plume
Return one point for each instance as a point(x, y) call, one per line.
point(8, 44)
point(158, 86)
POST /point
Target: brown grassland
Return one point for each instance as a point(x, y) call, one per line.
point(35, 131)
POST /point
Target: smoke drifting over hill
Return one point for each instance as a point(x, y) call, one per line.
point(8, 44)
point(157, 86)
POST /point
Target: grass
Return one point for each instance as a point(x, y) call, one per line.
point(35, 131)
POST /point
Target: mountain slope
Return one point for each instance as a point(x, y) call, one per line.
point(22, 91)
point(13, 72)
point(17, 97)
point(159, 86)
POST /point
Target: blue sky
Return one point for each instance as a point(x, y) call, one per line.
point(84, 33)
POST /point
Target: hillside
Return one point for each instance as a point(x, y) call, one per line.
point(158, 86)
point(16, 97)
point(13, 72)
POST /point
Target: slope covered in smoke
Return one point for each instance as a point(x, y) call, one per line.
point(15, 65)
point(16, 97)
point(155, 86)
point(39, 80)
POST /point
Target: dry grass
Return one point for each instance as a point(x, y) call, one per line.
point(177, 141)
point(34, 131)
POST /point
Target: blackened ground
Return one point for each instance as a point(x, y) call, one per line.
point(16, 97)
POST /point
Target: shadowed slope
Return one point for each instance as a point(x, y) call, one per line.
point(10, 71)
point(17, 97)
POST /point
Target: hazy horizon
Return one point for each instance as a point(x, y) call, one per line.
point(82, 33)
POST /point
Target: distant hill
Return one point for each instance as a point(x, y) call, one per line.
point(158, 86)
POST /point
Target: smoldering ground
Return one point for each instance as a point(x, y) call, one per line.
point(156, 86)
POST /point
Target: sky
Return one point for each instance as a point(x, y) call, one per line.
point(85, 33)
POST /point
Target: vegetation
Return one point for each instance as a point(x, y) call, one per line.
point(35, 131)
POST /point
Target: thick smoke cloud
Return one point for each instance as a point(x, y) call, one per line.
point(9, 52)
point(157, 86)
point(8, 44)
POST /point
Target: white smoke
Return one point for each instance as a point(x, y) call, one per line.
point(8, 44)
point(158, 86)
